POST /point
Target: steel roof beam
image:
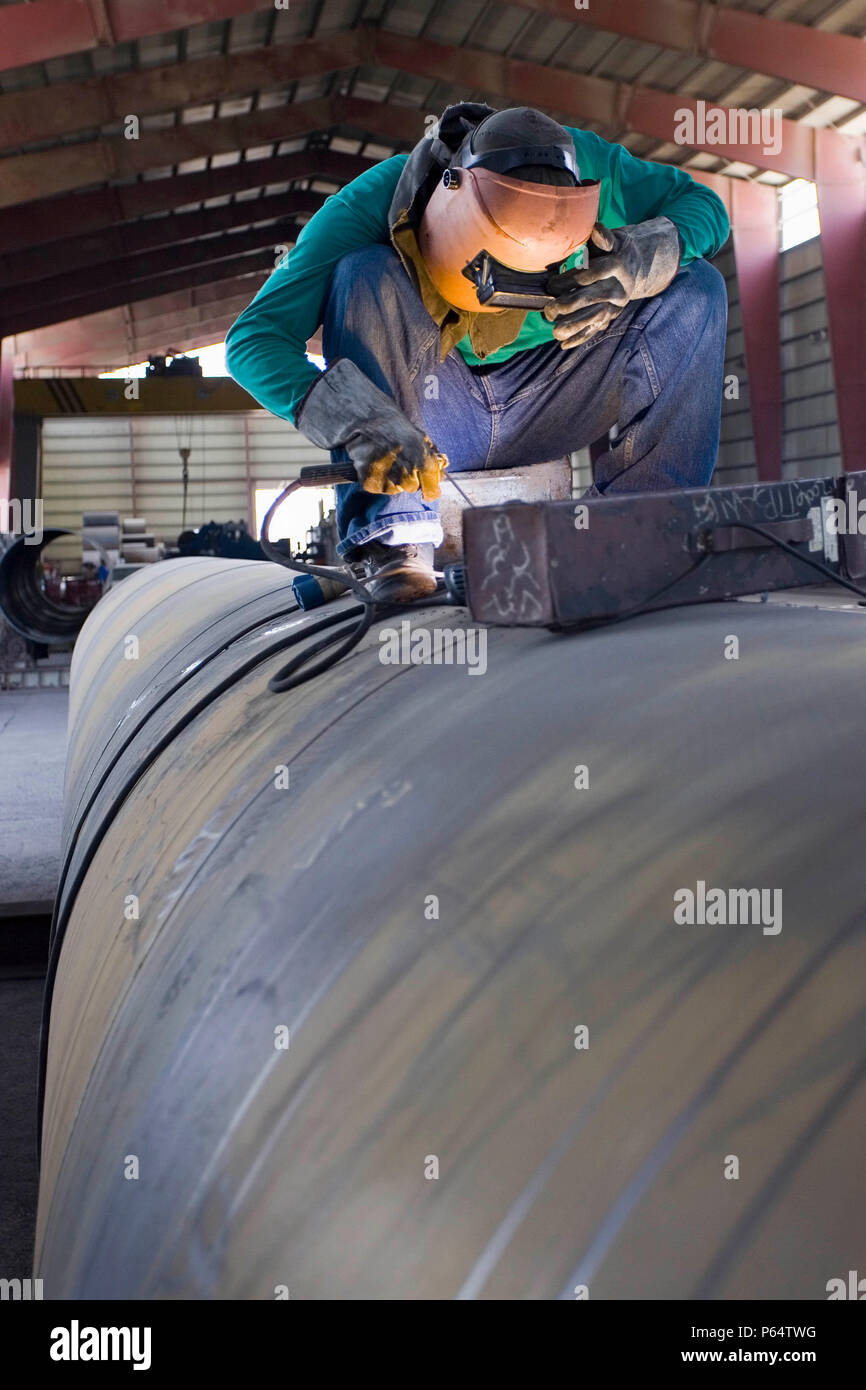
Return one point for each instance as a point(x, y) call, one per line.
point(618, 105)
point(140, 349)
point(105, 336)
point(644, 110)
point(200, 303)
point(117, 244)
point(798, 53)
point(834, 63)
point(44, 113)
point(26, 177)
point(42, 315)
point(45, 221)
point(21, 308)
point(247, 281)
point(115, 331)
point(51, 28)
point(125, 348)
point(226, 311)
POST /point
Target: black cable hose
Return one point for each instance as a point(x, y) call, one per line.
point(297, 671)
point(643, 606)
point(285, 557)
point(798, 555)
point(288, 676)
point(285, 678)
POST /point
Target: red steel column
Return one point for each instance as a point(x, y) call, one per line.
point(841, 180)
point(754, 225)
point(6, 409)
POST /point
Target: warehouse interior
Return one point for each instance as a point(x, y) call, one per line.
point(152, 176)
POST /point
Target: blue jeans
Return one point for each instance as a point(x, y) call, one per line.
point(656, 373)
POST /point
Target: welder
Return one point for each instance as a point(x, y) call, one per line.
point(420, 272)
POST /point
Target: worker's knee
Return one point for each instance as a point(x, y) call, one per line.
point(702, 297)
point(373, 307)
point(361, 280)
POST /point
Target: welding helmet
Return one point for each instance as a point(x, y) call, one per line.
point(513, 190)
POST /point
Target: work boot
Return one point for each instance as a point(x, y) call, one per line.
point(394, 573)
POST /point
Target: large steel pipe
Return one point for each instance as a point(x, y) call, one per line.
point(23, 601)
point(429, 914)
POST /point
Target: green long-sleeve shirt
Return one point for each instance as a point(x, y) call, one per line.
point(266, 346)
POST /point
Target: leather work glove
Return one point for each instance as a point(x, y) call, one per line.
point(344, 409)
point(636, 262)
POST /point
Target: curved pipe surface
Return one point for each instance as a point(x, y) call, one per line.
point(324, 961)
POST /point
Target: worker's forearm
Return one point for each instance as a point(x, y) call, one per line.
point(273, 369)
point(266, 346)
point(700, 218)
point(638, 190)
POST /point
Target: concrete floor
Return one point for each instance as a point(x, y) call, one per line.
point(20, 1012)
point(32, 756)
